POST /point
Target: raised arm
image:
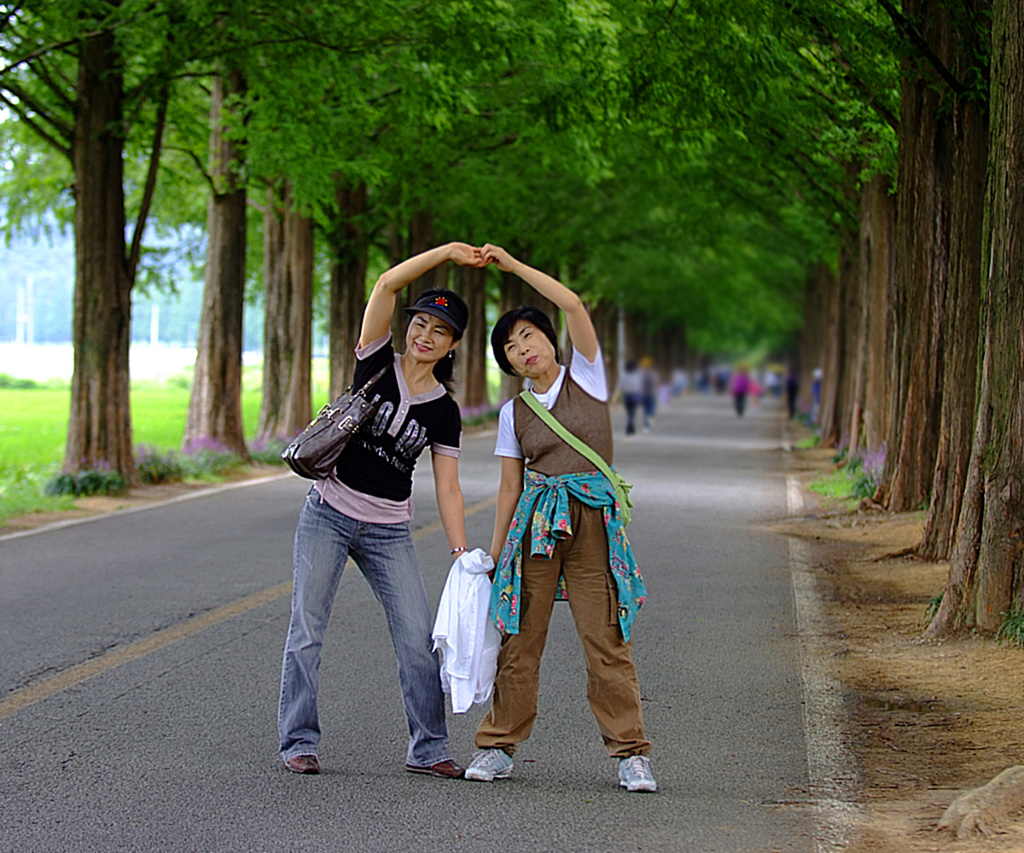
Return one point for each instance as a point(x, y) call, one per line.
point(577, 319)
point(381, 304)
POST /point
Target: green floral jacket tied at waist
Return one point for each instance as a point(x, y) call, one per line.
point(544, 507)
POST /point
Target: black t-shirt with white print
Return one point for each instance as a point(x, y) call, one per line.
point(380, 458)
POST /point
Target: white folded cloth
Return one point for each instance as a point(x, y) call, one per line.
point(464, 635)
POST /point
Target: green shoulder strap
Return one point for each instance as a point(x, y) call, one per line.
point(618, 483)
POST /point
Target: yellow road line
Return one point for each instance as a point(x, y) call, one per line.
point(75, 675)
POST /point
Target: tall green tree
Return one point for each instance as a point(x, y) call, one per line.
point(986, 578)
point(93, 81)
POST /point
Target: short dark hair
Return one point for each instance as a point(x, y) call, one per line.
point(507, 322)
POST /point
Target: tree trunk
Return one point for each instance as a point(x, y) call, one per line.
point(813, 335)
point(987, 563)
point(350, 253)
point(922, 252)
point(99, 423)
point(605, 316)
point(851, 333)
point(276, 308)
point(831, 360)
point(288, 313)
point(471, 361)
point(878, 221)
point(215, 406)
point(963, 299)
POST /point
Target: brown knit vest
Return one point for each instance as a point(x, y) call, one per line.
point(582, 415)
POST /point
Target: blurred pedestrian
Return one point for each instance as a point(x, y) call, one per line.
point(650, 383)
point(631, 386)
point(740, 388)
point(792, 390)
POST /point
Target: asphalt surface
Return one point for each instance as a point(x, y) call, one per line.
point(141, 656)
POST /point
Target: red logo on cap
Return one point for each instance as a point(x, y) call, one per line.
point(442, 301)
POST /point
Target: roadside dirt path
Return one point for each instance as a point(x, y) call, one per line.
point(930, 718)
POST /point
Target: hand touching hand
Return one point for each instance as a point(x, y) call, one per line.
point(465, 255)
point(497, 256)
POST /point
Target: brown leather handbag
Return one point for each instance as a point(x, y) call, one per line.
point(314, 452)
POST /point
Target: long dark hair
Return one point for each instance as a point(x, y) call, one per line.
point(507, 322)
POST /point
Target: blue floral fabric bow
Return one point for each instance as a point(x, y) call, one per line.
point(544, 507)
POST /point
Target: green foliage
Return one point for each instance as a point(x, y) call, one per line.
point(33, 431)
point(203, 461)
point(84, 483)
point(934, 603)
point(808, 443)
point(1011, 631)
point(206, 460)
point(7, 381)
point(155, 466)
point(22, 490)
point(692, 161)
point(837, 485)
point(267, 452)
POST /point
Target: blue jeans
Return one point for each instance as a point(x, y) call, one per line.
point(386, 556)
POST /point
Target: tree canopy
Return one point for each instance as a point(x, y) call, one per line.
point(699, 156)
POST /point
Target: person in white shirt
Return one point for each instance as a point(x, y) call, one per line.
point(559, 533)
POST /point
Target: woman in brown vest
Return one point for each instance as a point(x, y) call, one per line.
point(558, 533)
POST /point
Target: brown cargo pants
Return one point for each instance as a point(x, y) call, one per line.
point(612, 687)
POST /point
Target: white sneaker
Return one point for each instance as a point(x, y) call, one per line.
point(490, 764)
point(635, 774)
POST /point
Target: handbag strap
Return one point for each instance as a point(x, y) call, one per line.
point(373, 379)
point(580, 446)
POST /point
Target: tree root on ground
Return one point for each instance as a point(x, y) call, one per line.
point(979, 811)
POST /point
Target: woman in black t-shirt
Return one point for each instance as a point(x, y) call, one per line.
point(363, 511)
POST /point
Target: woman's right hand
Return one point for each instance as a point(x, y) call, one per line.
point(465, 255)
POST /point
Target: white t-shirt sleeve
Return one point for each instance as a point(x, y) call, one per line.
point(507, 444)
point(590, 376)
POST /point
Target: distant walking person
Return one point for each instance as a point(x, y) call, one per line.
point(650, 391)
point(363, 511)
point(740, 389)
point(631, 386)
point(558, 533)
point(792, 390)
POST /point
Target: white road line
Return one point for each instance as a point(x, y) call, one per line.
point(831, 765)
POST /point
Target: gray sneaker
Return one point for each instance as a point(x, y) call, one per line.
point(490, 764)
point(635, 774)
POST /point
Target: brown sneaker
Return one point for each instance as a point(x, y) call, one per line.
point(303, 764)
point(443, 770)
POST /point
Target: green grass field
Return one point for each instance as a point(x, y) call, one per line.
point(33, 431)
point(33, 426)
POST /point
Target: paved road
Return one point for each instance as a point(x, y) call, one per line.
point(142, 652)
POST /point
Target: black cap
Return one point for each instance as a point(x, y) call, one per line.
point(443, 304)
